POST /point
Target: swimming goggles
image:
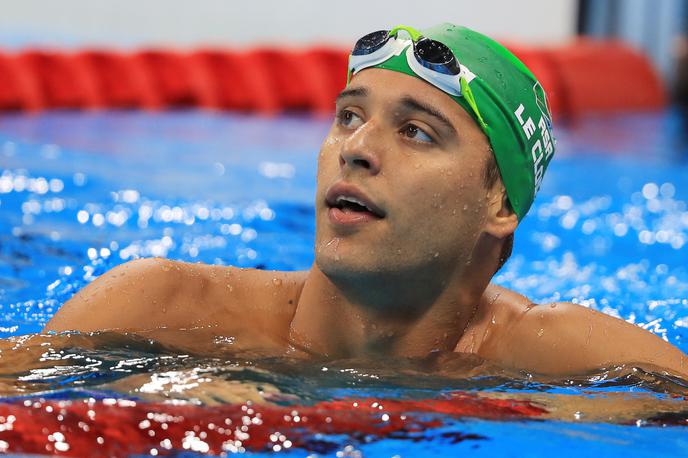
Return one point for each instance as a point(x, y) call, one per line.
point(429, 59)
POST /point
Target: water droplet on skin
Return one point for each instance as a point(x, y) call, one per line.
point(553, 305)
point(230, 287)
point(277, 282)
point(540, 332)
point(465, 207)
point(335, 241)
point(436, 255)
point(494, 320)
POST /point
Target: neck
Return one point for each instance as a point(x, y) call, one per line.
point(400, 314)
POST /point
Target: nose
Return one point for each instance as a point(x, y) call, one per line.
point(361, 150)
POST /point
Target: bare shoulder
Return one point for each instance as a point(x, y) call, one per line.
point(562, 338)
point(115, 298)
point(154, 292)
point(498, 306)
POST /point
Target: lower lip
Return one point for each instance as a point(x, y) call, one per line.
point(340, 217)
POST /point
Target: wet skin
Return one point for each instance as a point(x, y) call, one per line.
point(409, 276)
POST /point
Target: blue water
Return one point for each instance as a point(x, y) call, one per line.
point(83, 192)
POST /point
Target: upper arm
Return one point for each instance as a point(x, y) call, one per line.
point(567, 339)
point(129, 297)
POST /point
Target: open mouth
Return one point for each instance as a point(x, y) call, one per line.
point(349, 205)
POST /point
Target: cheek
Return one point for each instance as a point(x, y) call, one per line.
point(447, 192)
point(328, 158)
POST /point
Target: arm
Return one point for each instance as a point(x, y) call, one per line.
point(567, 339)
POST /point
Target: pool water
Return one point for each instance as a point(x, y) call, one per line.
point(81, 192)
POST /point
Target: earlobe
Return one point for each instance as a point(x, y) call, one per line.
point(501, 220)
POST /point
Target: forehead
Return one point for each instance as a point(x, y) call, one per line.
point(388, 86)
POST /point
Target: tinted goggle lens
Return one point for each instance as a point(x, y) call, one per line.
point(436, 56)
point(370, 43)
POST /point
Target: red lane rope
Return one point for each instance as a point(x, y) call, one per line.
point(583, 77)
point(111, 427)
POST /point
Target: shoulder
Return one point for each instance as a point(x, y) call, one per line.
point(507, 311)
point(562, 338)
point(498, 307)
point(154, 292)
point(513, 327)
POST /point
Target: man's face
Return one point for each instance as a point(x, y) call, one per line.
point(416, 160)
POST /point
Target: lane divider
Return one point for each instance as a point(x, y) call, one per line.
point(582, 77)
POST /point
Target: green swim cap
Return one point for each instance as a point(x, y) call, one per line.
point(512, 108)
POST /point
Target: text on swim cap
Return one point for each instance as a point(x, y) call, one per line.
point(543, 146)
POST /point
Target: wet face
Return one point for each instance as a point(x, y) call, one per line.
point(400, 180)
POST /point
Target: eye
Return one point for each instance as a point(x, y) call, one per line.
point(416, 133)
point(348, 118)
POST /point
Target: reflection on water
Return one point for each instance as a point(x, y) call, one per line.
point(140, 368)
point(609, 230)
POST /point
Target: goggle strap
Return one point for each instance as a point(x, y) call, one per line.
point(413, 33)
point(468, 95)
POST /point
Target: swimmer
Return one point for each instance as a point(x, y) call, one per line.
point(439, 144)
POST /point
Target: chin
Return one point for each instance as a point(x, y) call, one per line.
point(336, 264)
point(357, 264)
point(331, 261)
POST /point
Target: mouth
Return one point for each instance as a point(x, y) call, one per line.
point(349, 205)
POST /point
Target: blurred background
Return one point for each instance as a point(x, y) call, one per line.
point(130, 23)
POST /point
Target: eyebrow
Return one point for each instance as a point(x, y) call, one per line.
point(412, 104)
point(407, 102)
point(352, 92)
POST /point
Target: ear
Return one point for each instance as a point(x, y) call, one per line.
point(501, 218)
